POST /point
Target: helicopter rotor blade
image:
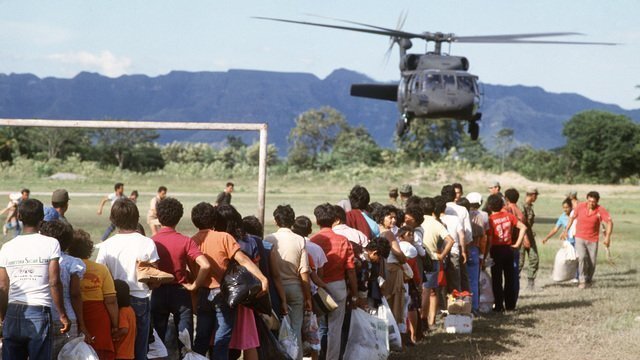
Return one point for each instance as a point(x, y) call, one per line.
point(521, 39)
point(538, 42)
point(374, 29)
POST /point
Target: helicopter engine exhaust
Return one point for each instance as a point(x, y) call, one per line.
point(375, 91)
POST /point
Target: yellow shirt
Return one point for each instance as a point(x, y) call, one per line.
point(97, 282)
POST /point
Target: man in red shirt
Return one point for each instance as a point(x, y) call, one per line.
point(502, 224)
point(589, 216)
point(175, 251)
point(341, 262)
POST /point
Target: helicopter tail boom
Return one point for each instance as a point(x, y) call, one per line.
point(375, 91)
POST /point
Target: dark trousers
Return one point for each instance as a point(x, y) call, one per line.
point(216, 319)
point(505, 296)
point(171, 299)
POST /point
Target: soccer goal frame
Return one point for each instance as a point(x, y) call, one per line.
point(162, 125)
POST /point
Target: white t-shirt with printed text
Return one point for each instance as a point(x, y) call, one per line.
point(26, 259)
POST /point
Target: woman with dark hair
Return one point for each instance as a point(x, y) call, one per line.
point(99, 303)
point(393, 289)
point(245, 333)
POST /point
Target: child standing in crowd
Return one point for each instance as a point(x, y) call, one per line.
point(124, 338)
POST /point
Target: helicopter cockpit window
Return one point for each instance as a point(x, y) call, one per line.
point(433, 80)
point(449, 80)
point(465, 83)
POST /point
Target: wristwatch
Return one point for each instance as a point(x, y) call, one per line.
point(354, 298)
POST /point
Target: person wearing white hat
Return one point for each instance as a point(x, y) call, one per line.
point(478, 248)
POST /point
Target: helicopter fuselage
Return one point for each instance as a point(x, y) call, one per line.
point(435, 93)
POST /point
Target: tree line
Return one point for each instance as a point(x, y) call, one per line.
point(601, 147)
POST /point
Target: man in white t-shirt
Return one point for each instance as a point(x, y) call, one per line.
point(121, 254)
point(29, 284)
point(117, 195)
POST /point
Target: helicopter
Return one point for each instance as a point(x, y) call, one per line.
point(434, 84)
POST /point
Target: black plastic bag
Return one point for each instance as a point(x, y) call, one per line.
point(270, 348)
point(239, 286)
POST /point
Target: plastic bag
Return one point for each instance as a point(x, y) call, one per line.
point(288, 338)
point(564, 269)
point(157, 348)
point(310, 335)
point(384, 313)
point(188, 354)
point(77, 349)
point(240, 287)
point(270, 348)
point(368, 337)
point(486, 292)
point(569, 251)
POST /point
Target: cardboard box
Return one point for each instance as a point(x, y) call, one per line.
point(458, 324)
point(459, 306)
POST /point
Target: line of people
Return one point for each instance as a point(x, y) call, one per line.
point(364, 255)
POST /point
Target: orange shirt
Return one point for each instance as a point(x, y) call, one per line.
point(219, 247)
point(125, 347)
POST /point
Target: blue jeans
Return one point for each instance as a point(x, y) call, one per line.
point(171, 299)
point(473, 269)
point(27, 333)
point(143, 323)
point(111, 228)
point(213, 316)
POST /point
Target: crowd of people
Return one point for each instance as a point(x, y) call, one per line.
point(407, 253)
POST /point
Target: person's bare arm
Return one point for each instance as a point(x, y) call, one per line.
point(76, 303)
point(102, 202)
point(352, 282)
point(565, 232)
point(56, 294)
point(523, 229)
point(447, 247)
point(463, 246)
point(306, 290)
point(111, 303)
point(277, 281)
point(317, 279)
point(395, 248)
point(607, 234)
point(550, 234)
point(4, 292)
point(203, 273)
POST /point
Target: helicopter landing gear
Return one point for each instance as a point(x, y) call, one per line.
point(474, 129)
point(402, 125)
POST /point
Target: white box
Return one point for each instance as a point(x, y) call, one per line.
point(458, 324)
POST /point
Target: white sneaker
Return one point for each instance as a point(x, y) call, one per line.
point(574, 281)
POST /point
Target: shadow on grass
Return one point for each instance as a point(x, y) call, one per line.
point(545, 220)
point(555, 306)
point(616, 273)
point(492, 335)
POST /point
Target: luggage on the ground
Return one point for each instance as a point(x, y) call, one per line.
point(77, 349)
point(458, 324)
point(384, 313)
point(367, 337)
point(486, 292)
point(565, 264)
point(157, 348)
point(189, 354)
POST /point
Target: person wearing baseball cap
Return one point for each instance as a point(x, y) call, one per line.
point(60, 202)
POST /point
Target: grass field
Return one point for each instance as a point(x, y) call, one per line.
point(558, 322)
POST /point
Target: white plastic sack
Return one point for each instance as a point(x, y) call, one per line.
point(384, 313)
point(486, 292)
point(188, 354)
point(310, 334)
point(368, 337)
point(569, 251)
point(564, 269)
point(287, 338)
point(77, 349)
point(157, 348)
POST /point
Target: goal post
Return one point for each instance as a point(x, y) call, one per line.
point(163, 125)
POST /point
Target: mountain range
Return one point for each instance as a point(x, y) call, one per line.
point(277, 98)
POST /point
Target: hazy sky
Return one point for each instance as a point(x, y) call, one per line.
point(63, 37)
